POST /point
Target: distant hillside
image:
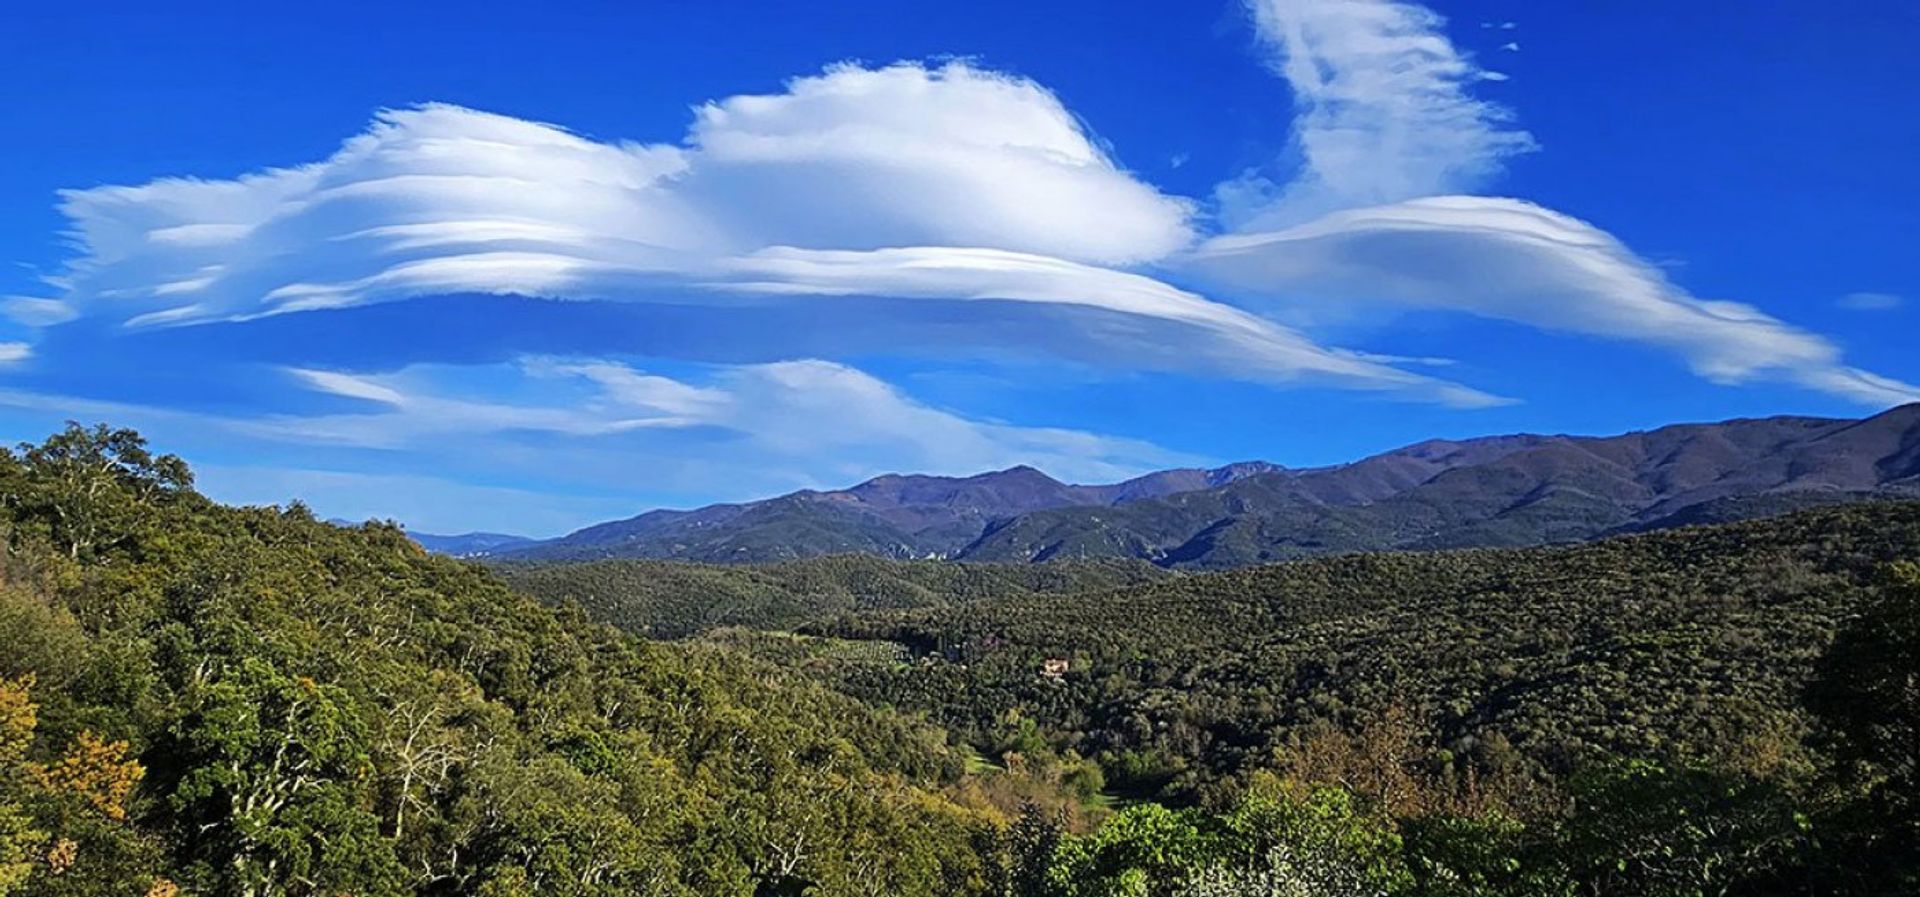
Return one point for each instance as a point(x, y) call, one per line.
point(1495, 491)
point(1501, 492)
point(890, 516)
point(675, 599)
point(467, 545)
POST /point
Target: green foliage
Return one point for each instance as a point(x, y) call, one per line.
point(1640, 829)
point(1514, 667)
point(277, 784)
point(1278, 838)
point(1493, 855)
point(1143, 850)
point(322, 710)
point(671, 599)
point(87, 489)
point(1867, 696)
point(1322, 827)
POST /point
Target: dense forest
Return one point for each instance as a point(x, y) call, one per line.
point(200, 699)
point(672, 599)
point(1692, 642)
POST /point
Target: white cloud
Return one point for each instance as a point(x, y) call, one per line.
point(349, 386)
point(814, 409)
point(1383, 112)
point(36, 311)
point(1388, 133)
point(629, 439)
point(15, 352)
point(1512, 260)
point(415, 407)
point(908, 155)
point(1234, 342)
point(440, 197)
point(948, 197)
point(907, 184)
point(1871, 301)
point(791, 414)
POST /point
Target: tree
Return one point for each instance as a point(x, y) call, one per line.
point(1641, 829)
point(20, 840)
point(96, 771)
point(88, 486)
point(1031, 841)
point(64, 828)
point(1867, 693)
point(1312, 840)
point(1492, 855)
point(1140, 851)
point(277, 793)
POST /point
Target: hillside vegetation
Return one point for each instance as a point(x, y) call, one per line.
point(669, 599)
point(246, 702)
point(1690, 643)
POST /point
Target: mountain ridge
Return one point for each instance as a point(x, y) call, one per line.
point(1501, 490)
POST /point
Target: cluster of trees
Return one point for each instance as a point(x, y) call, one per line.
point(1628, 828)
point(1360, 816)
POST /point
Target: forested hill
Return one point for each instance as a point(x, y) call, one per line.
point(672, 599)
point(205, 700)
point(1693, 642)
point(1495, 491)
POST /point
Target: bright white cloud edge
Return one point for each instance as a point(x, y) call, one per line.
point(1516, 261)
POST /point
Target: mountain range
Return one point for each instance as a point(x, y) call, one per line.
point(1510, 490)
point(470, 545)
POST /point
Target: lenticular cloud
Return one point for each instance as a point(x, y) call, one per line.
point(1516, 261)
point(446, 198)
point(917, 185)
point(907, 156)
point(1387, 128)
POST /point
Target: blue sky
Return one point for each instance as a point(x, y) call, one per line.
point(477, 266)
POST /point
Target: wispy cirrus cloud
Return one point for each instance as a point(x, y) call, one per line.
point(1871, 301)
point(586, 431)
point(784, 414)
point(1384, 110)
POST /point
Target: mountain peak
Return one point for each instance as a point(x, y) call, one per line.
point(1018, 472)
point(1240, 470)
